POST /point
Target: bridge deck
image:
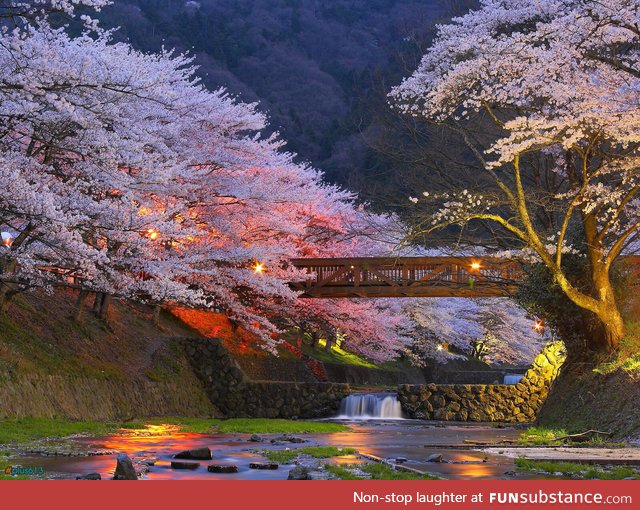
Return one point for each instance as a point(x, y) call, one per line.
point(409, 277)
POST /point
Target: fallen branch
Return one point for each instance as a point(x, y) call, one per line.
point(582, 436)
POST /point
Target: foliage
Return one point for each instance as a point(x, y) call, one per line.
point(536, 436)
point(627, 358)
point(574, 470)
point(458, 321)
point(317, 452)
point(558, 81)
point(125, 176)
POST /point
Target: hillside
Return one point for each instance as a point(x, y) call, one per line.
point(52, 366)
point(320, 69)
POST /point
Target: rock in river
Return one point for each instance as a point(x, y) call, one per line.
point(222, 469)
point(124, 468)
point(262, 465)
point(197, 454)
point(299, 473)
point(184, 465)
point(89, 476)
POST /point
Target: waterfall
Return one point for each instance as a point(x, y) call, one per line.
point(513, 378)
point(384, 406)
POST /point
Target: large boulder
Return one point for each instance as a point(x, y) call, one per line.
point(124, 468)
point(197, 454)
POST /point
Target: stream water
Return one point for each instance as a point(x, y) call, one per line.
point(413, 440)
point(385, 406)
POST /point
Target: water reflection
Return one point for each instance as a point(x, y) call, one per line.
point(416, 441)
point(412, 440)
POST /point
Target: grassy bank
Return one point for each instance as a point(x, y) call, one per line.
point(542, 436)
point(575, 470)
point(31, 429)
point(317, 452)
point(375, 471)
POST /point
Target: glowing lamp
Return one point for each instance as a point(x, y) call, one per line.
point(7, 239)
point(153, 234)
point(258, 268)
point(538, 326)
point(475, 266)
point(439, 347)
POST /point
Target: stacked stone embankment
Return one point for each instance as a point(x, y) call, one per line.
point(235, 395)
point(486, 402)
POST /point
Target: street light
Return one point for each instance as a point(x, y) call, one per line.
point(7, 239)
point(258, 268)
point(475, 266)
point(538, 326)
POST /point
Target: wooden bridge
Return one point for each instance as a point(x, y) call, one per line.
point(409, 277)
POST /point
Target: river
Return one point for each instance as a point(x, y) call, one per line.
point(413, 440)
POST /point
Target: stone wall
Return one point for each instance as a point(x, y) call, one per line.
point(353, 374)
point(486, 402)
point(235, 395)
point(91, 398)
point(272, 368)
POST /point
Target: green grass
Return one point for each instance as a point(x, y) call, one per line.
point(575, 470)
point(337, 355)
point(318, 452)
point(627, 357)
point(540, 436)
point(30, 429)
point(275, 426)
point(341, 472)
point(377, 471)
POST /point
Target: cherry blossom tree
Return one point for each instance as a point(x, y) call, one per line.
point(559, 81)
point(123, 175)
point(443, 323)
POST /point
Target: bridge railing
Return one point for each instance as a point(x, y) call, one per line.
point(409, 276)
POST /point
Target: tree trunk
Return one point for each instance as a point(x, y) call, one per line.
point(7, 290)
point(329, 344)
point(5, 297)
point(613, 329)
point(82, 296)
point(97, 303)
point(608, 311)
point(156, 314)
point(101, 305)
point(104, 309)
point(315, 340)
